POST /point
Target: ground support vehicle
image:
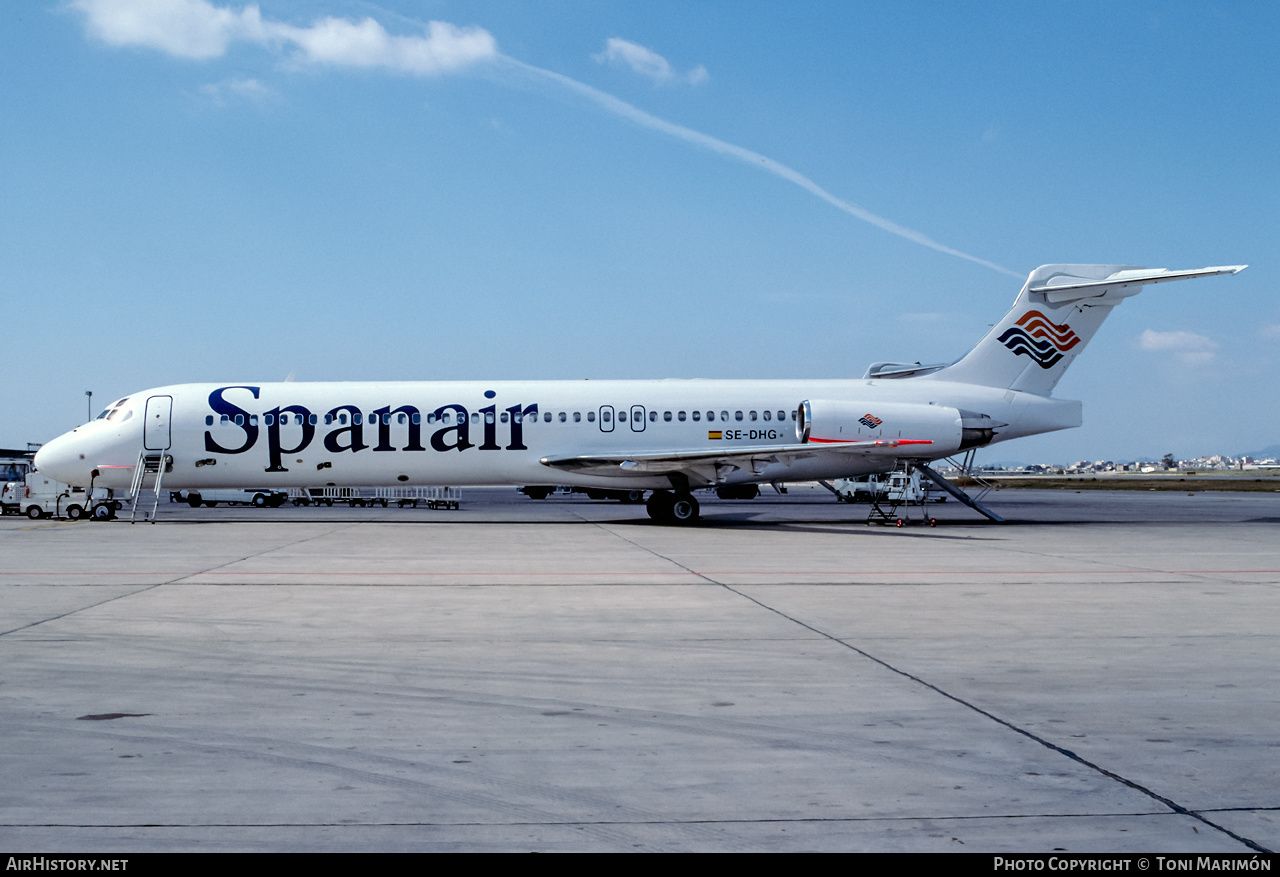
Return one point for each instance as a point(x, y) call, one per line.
point(359, 497)
point(261, 497)
point(38, 496)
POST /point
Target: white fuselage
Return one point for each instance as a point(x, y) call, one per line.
point(498, 433)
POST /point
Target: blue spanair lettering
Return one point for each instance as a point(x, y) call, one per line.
point(518, 415)
point(355, 431)
point(220, 407)
point(274, 450)
point(387, 415)
point(462, 428)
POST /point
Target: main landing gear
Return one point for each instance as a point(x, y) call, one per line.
point(666, 507)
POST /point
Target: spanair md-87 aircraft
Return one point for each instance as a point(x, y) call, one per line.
point(664, 436)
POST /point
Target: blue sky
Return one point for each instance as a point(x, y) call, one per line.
point(196, 191)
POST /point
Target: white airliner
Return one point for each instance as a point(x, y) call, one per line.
point(667, 436)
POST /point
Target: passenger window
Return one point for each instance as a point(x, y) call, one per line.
point(546, 417)
point(751, 415)
point(653, 417)
point(224, 420)
point(416, 418)
point(563, 417)
point(342, 418)
point(766, 415)
point(697, 415)
point(711, 415)
point(356, 418)
point(737, 415)
point(577, 416)
point(666, 415)
point(488, 417)
point(680, 416)
point(622, 416)
point(724, 415)
point(311, 419)
point(253, 420)
point(208, 420)
point(239, 420)
point(591, 417)
point(400, 418)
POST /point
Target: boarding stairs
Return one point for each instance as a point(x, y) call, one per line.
point(149, 463)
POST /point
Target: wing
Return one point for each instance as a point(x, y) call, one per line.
point(713, 467)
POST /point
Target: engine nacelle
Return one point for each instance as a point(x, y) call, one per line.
point(946, 430)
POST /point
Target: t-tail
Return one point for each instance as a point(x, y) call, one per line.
point(1053, 318)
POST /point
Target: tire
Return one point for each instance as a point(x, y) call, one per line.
point(659, 506)
point(193, 500)
point(632, 496)
point(684, 509)
point(34, 512)
point(74, 512)
point(212, 505)
point(103, 512)
point(259, 501)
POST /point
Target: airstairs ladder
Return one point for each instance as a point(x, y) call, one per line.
point(153, 464)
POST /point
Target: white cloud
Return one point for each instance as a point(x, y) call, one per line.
point(198, 29)
point(1190, 348)
point(647, 62)
point(243, 89)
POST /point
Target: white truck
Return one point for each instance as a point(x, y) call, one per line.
point(38, 496)
point(261, 497)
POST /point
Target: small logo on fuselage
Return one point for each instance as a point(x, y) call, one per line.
point(1038, 337)
point(870, 421)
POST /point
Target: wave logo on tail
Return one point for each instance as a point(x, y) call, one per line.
point(1039, 338)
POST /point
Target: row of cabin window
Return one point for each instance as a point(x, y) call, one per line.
point(448, 417)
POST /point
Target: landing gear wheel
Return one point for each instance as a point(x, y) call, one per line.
point(684, 509)
point(659, 505)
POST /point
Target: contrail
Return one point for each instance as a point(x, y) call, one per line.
point(755, 159)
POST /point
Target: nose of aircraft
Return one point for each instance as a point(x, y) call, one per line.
point(63, 460)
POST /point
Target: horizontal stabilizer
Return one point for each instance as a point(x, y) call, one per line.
point(1065, 288)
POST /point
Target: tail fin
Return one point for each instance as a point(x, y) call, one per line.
point(1052, 319)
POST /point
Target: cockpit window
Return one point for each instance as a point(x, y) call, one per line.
point(115, 412)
